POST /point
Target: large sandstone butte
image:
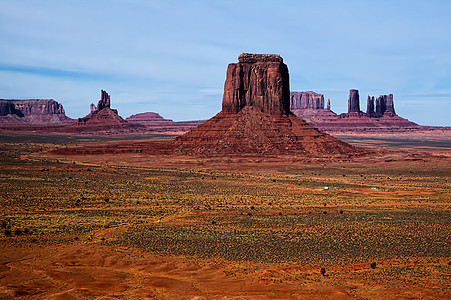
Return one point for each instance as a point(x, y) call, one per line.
point(32, 111)
point(256, 117)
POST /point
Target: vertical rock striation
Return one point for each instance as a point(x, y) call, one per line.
point(385, 106)
point(33, 111)
point(306, 100)
point(260, 81)
point(370, 106)
point(353, 101)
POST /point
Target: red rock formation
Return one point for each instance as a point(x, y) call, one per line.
point(353, 101)
point(306, 100)
point(102, 120)
point(378, 118)
point(104, 100)
point(149, 118)
point(310, 105)
point(370, 107)
point(389, 105)
point(32, 111)
point(256, 119)
point(260, 81)
point(385, 106)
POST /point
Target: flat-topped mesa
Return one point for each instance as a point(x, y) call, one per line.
point(306, 100)
point(32, 111)
point(253, 58)
point(257, 80)
point(353, 101)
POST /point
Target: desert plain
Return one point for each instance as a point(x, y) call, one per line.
point(135, 225)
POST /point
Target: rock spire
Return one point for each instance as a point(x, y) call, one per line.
point(353, 101)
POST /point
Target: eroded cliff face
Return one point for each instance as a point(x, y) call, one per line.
point(257, 80)
point(353, 101)
point(34, 111)
point(306, 100)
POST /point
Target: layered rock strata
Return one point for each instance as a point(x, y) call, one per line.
point(32, 111)
point(379, 117)
point(256, 118)
point(256, 80)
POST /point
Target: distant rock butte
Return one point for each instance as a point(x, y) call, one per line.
point(353, 102)
point(149, 118)
point(255, 117)
point(32, 111)
point(102, 114)
point(379, 117)
point(102, 119)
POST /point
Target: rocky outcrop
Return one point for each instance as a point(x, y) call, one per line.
point(306, 100)
point(379, 117)
point(102, 119)
point(104, 100)
point(149, 118)
point(385, 106)
point(260, 81)
point(353, 102)
point(32, 111)
point(256, 119)
point(370, 106)
point(310, 105)
point(102, 115)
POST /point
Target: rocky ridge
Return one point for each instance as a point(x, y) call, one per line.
point(379, 117)
point(32, 111)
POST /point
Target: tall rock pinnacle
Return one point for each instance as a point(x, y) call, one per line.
point(104, 100)
point(370, 106)
point(257, 80)
point(353, 101)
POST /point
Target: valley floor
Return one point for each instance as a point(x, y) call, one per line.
point(141, 226)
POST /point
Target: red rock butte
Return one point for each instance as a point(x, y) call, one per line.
point(380, 116)
point(256, 117)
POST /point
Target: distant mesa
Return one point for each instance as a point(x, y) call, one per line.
point(256, 117)
point(380, 114)
point(148, 118)
point(32, 111)
point(310, 104)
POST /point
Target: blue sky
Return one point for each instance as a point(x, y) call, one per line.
point(171, 57)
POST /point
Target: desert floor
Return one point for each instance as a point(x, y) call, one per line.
point(136, 226)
